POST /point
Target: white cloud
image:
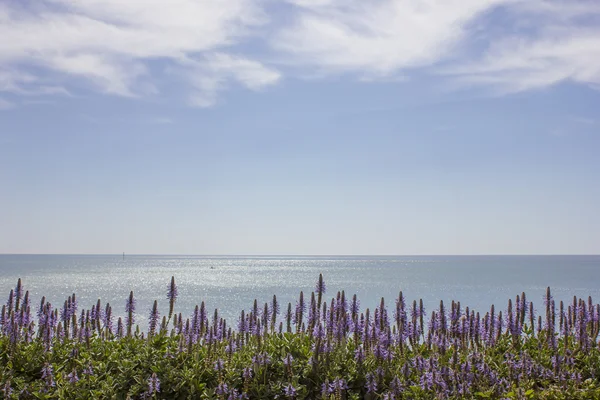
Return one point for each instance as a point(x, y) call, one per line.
point(212, 74)
point(125, 47)
point(511, 45)
point(381, 37)
point(110, 43)
point(514, 65)
point(563, 45)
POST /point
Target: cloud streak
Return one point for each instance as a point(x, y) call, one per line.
point(110, 44)
point(130, 48)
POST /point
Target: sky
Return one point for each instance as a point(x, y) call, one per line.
point(300, 126)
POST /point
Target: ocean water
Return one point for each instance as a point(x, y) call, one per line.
point(232, 283)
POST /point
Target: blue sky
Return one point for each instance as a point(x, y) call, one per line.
point(300, 127)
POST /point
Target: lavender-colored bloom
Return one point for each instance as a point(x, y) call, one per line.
point(247, 373)
point(48, 374)
point(72, 377)
point(230, 348)
point(338, 385)
point(275, 308)
point(320, 287)
point(107, 318)
point(172, 296)
point(300, 310)
point(318, 331)
point(7, 390)
point(222, 389)
point(219, 365)
point(88, 370)
point(172, 290)
point(359, 355)
point(242, 325)
point(261, 359)
point(355, 306)
point(130, 311)
point(380, 352)
point(288, 360)
point(153, 384)
point(10, 301)
point(371, 384)
point(153, 318)
point(289, 391)
point(18, 294)
point(396, 386)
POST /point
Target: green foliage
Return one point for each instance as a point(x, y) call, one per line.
point(121, 369)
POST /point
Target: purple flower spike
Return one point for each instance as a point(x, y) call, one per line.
point(371, 384)
point(222, 389)
point(172, 296)
point(153, 319)
point(130, 310)
point(88, 370)
point(320, 287)
point(72, 377)
point(7, 390)
point(338, 385)
point(153, 384)
point(48, 374)
point(288, 360)
point(219, 365)
point(290, 392)
point(172, 291)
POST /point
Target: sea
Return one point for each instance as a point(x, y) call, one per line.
point(232, 283)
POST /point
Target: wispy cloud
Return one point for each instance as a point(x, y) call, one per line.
point(129, 48)
point(558, 41)
point(213, 73)
point(109, 44)
point(378, 38)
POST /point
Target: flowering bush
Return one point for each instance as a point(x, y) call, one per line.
point(316, 349)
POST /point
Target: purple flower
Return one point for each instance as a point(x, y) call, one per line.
point(172, 290)
point(359, 355)
point(300, 310)
point(320, 287)
point(261, 359)
point(396, 386)
point(7, 389)
point(153, 319)
point(338, 385)
point(289, 391)
point(88, 370)
point(48, 374)
point(275, 309)
point(354, 306)
point(47, 371)
point(130, 310)
point(219, 365)
point(242, 323)
point(172, 296)
point(288, 360)
point(72, 377)
point(222, 389)
point(371, 384)
point(153, 384)
point(247, 374)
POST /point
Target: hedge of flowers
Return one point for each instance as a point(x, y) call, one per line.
point(317, 348)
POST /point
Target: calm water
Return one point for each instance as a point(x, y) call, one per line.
point(232, 283)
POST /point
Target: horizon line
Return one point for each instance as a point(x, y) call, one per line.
point(299, 255)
